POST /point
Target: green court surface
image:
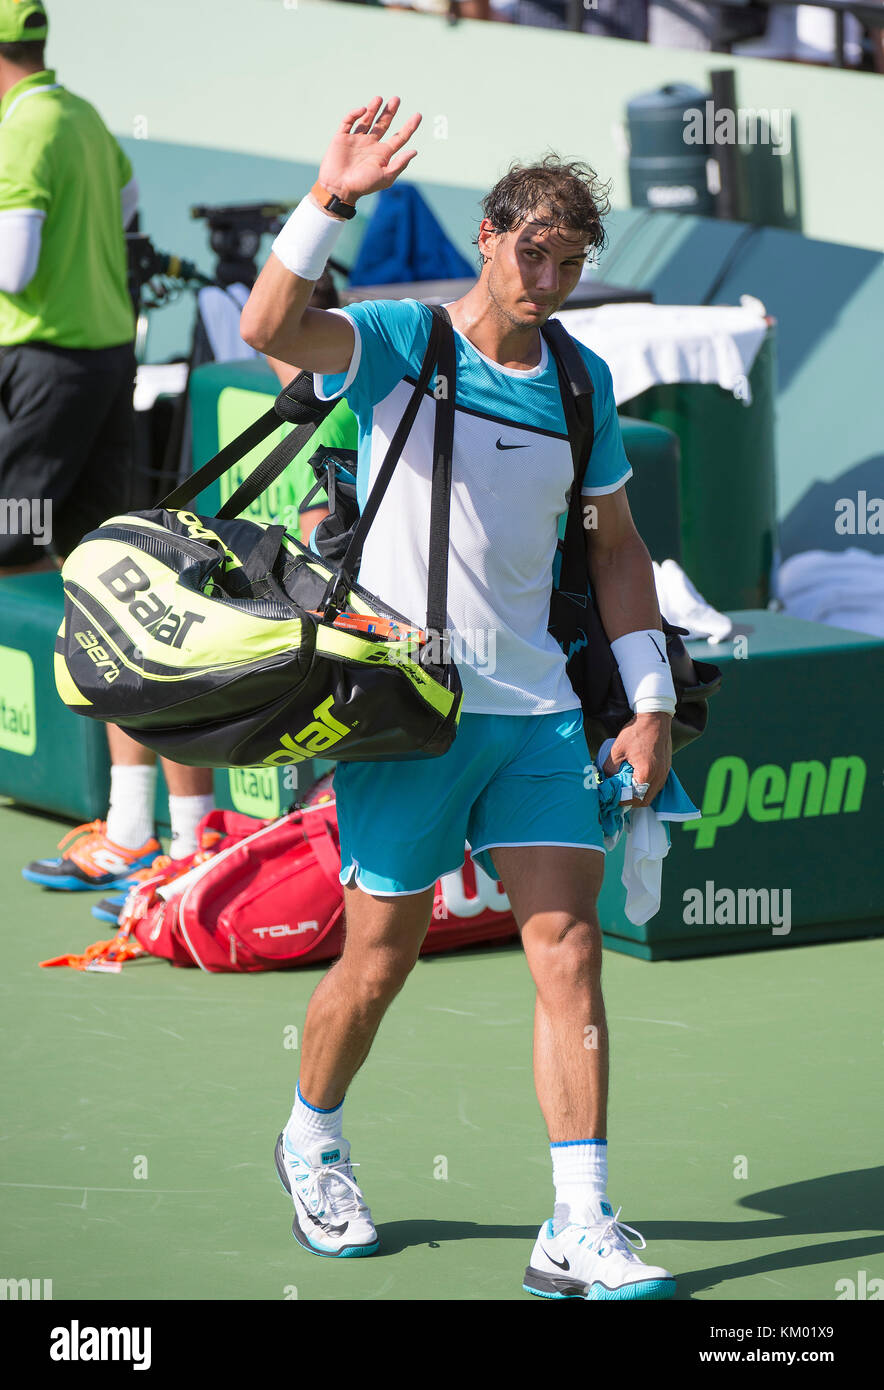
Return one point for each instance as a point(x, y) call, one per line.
point(766, 1064)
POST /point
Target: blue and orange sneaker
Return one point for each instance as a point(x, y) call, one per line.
point(109, 909)
point(93, 862)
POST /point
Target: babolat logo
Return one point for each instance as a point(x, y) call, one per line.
point(774, 793)
point(315, 737)
point(129, 583)
point(200, 532)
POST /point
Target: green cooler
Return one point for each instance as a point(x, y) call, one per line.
point(728, 483)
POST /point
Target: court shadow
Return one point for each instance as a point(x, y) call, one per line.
point(396, 1236)
point(819, 1206)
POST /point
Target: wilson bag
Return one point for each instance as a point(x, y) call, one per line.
point(574, 618)
point(222, 642)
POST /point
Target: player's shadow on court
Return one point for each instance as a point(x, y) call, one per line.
point(837, 1203)
point(396, 1236)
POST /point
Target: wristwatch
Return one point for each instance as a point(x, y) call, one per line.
point(331, 202)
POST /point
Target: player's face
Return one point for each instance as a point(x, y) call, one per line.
point(533, 270)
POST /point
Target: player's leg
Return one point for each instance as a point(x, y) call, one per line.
point(537, 828)
point(382, 942)
point(553, 890)
point(191, 796)
point(583, 1252)
point(401, 826)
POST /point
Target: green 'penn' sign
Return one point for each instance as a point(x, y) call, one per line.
point(771, 793)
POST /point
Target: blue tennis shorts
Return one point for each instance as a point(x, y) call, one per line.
point(506, 780)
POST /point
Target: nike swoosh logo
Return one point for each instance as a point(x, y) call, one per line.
point(561, 1264)
point(659, 653)
point(324, 1226)
point(500, 445)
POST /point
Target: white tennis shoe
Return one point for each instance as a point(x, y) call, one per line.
point(592, 1258)
point(331, 1217)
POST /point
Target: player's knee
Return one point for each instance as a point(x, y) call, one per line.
point(565, 946)
point(382, 975)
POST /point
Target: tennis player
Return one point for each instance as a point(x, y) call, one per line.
point(514, 784)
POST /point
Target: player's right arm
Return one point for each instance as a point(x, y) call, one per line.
point(276, 319)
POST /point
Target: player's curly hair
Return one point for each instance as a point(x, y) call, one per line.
point(567, 194)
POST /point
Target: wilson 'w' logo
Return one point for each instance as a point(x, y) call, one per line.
point(467, 892)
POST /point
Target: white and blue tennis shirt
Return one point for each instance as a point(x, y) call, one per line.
point(511, 474)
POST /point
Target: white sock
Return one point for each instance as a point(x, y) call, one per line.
point(130, 814)
point(580, 1173)
point(185, 813)
point(308, 1126)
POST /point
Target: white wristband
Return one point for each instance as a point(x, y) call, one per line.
point(307, 240)
point(644, 669)
point(651, 704)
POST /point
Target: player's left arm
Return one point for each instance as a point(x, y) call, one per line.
point(623, 582)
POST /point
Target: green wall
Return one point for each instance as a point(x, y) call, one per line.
point(223, 102)
point(273, 78)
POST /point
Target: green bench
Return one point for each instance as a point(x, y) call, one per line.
point(788, 777)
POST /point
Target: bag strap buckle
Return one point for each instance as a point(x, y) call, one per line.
point(335, 597)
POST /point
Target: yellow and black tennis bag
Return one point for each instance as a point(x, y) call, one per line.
point(223, 642)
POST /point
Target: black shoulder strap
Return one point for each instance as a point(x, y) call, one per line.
point(440, 496)
point(341, 582)
point(577, 392)
point(298, 404)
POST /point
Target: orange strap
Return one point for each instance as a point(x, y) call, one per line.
point(103, 955)
point(112, 955)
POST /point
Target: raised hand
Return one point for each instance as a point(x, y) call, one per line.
point(360, 160)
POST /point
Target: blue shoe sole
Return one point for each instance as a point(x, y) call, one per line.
point(348, 1251)
point(656, 1289)
point(71, 884)
point(561, 1286)
point(109, 911)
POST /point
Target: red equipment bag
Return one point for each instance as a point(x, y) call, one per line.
point(269, 897)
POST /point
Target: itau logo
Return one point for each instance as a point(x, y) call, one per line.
point(18, 723)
